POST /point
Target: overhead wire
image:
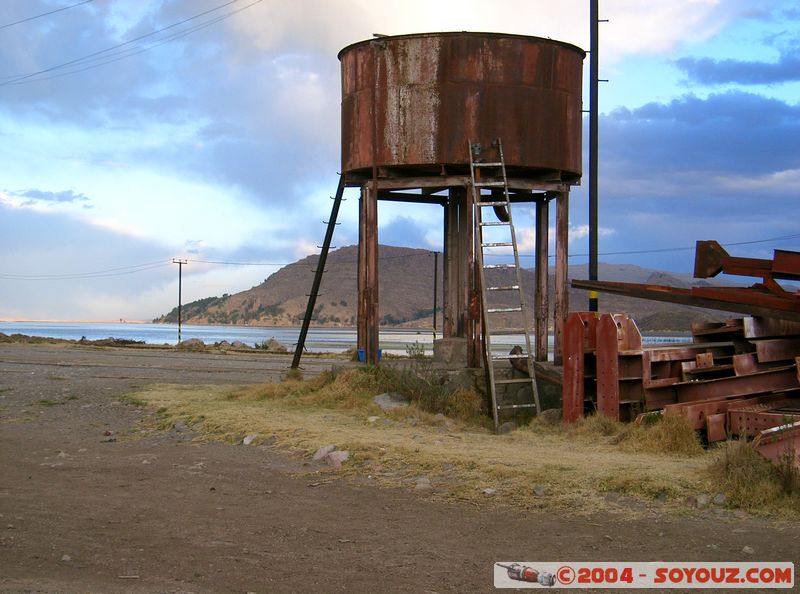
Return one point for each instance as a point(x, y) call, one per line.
point(119, 271)
point(135, 268)
point(44, 14)
point(112, 53)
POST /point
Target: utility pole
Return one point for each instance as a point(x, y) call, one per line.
point(180, 264)
point(594, 65)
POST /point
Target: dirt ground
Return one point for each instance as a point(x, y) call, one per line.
point(86, 508)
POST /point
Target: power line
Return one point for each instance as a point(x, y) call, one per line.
point(682, 249)
point(120, 271)
point(44, 14)
point(132, 269)
point(107, 55)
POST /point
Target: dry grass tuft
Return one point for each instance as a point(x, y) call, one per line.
point(670, 435)
point(578, 465)
point(752, 482)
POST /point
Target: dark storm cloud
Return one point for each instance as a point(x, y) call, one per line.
point(694, 168)
point(733, 132)
point(708, 71)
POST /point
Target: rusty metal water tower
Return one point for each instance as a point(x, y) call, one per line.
point(411, 106)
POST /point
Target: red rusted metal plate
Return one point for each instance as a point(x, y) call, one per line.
point(780, 443)
point(411, 103)
point(748, 421)
point(572, 390)
point(786, 264)
point(755, 327)
point(716, 427)
point(777, 349)
point(704, 360)
point(607, 357)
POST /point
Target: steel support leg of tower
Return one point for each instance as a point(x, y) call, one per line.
point(541, 303)
point(368, 320)
point(561, 301)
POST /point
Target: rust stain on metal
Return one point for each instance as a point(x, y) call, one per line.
point(433, 92)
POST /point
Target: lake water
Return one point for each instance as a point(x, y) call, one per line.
point(319, 339)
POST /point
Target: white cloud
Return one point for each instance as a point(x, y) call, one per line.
point(786, 181)
point(635, 27)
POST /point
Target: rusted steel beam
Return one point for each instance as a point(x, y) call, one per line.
point(696, 413)
point(368, 319)
point(780, 378)
point(607, 361)
point(472, 287)
point(755, 327)
point(777, 349)
point(787, 309)
point(780, 444)
point(572, 388)
point(541, 304)
point(749, 420)
point(392, 196)
point(786, 264)
point(711, 259)
point(561, 297)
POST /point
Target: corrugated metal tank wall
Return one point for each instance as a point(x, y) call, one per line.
point(411, 103)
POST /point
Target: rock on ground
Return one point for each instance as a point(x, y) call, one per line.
point(390, 400)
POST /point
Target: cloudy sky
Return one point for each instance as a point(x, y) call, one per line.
point(133, 132)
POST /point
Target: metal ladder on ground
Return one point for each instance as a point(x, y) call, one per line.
point(492, 176)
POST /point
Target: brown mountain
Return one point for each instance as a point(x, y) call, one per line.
point(406, 294)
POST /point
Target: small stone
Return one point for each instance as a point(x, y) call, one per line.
point(490, 492)
point(720, 499)
point(249, 438)
point(507, 427)
point(661, 497)
point(701, 501)
point(273, 346)
point(324, 451)
point(539, 490)
point(439, 418)
point(423, 483)
point(446, 467)
point(66, 558)
point(551, 416)
point(748, 550)
point(180, 427)
point(193, 344)
point(373, 419)
point(390, 400)
point(336, 458)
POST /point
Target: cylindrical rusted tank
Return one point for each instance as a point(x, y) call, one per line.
point(412, 103)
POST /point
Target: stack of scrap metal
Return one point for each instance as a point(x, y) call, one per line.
point(737, 378)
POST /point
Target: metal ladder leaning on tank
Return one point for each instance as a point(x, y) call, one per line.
point(497, 180)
